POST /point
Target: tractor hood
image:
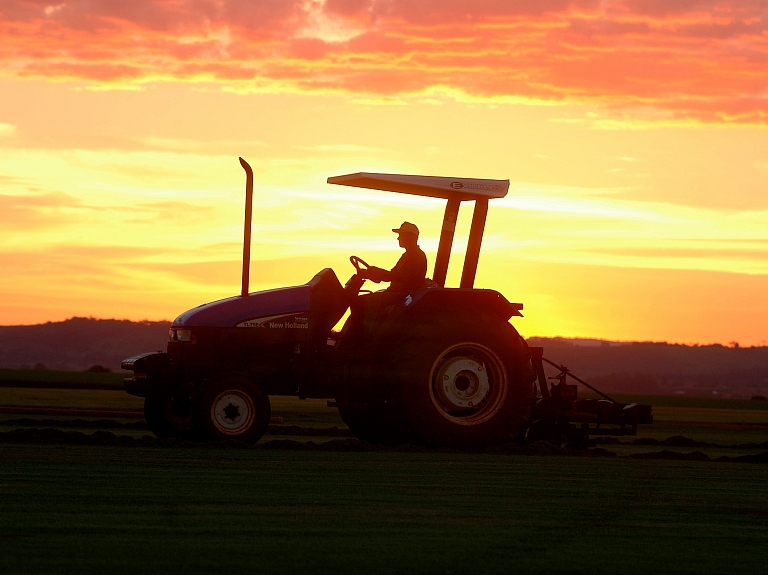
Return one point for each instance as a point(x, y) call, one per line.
point(233, 311)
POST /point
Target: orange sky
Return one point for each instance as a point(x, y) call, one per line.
point(633, 133)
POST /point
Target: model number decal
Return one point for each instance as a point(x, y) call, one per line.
point(282, 321)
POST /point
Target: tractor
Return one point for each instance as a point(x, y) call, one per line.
point(439, 367)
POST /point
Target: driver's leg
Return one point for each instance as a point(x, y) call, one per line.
point(354, 330)
point(371, 310)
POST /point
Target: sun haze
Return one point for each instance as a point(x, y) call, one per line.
point(633, 134)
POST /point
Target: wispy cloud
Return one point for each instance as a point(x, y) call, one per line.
point(34, 211)
point(192, 146)
point(688, 253)
point(703, 61)
point(345, 148)
point(171, 211)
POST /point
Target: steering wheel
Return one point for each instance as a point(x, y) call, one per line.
point(360, 264)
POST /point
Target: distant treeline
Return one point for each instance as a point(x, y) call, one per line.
point(663, 368)
point(80, 343)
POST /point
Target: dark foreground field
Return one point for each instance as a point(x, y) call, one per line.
point(80, 509)
point(98, 496)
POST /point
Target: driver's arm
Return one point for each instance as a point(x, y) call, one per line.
point(377, 275)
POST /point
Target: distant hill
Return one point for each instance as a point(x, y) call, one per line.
point(79, 343)
point(630, 367)
point(662, 368)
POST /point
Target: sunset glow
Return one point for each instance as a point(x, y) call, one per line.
point(634, 135)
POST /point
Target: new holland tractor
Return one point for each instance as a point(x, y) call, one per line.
point(441, 366)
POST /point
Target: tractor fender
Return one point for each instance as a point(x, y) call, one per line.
point(486, 300)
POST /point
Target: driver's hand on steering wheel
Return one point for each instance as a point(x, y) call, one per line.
point(374, 274)
point(368, 272)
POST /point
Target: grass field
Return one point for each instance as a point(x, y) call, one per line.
point(127, 510)
point(211, 509)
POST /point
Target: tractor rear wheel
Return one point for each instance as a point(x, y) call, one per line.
point(233, 407)
point(467, 382)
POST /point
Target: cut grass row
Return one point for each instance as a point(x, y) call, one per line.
point(679, 401)
point(53, 378)
point(714, 424)
point(665, 407)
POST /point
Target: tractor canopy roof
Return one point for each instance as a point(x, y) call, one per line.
point(431, 186)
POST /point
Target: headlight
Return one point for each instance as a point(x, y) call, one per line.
point(180, 335)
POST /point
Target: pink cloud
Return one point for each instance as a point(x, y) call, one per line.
point(699, 59)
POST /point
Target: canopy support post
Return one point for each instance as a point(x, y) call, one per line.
point(446, 240)
point(475, 241)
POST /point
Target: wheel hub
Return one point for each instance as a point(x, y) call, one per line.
point(462, 383)
point(232, 412)
point(468, 383)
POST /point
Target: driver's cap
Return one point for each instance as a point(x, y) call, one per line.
point(407, 228)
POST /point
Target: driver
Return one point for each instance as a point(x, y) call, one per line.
point(410, 270)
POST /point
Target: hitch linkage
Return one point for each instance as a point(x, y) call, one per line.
point(559, 415)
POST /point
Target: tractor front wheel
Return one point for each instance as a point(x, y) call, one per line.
point(169, 416)
point(233, 407)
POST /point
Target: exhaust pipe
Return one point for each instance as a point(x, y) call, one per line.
point(247, 230)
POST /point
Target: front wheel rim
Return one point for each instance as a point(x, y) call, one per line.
point(232, 412)
point(468, 384)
